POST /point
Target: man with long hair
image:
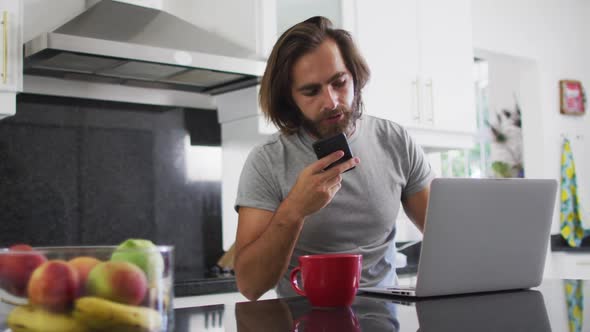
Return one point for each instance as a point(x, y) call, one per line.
point(288, 203)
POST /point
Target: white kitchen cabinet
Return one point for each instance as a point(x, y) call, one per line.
point(391, 50)
point(11, 66)
point(420, 55)
point(446, 53)
point(421, 59)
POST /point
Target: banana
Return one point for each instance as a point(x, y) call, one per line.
point(33, 319)
point(101, 314)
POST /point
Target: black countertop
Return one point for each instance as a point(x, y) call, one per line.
point(544, 308)
point(559, 244)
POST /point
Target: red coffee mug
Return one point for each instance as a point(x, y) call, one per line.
point(329, 280)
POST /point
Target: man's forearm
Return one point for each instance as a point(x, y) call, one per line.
point(260, 265)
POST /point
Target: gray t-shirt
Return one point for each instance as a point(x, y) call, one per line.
point(361, 216)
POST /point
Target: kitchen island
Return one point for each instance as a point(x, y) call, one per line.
point(549, 307)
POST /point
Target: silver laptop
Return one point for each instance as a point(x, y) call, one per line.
point(482, 235)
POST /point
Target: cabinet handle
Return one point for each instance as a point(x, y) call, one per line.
point(430, 115)
point(416, 100)
point(5, 47)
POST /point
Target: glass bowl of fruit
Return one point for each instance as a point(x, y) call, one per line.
point(87, 288)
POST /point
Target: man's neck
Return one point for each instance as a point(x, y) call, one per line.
point(351, 130)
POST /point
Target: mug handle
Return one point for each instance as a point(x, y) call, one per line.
point(294, 281)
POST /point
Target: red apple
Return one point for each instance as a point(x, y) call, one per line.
point(16, 268)
point(54, 285)
point(121, 282)
point(83, 264)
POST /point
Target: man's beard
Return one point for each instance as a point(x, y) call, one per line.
point(345, 125)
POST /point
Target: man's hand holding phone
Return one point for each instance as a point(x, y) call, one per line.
point(318, 183)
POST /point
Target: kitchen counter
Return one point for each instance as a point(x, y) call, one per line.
point(541, 309)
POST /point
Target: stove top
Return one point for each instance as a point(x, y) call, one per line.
point(212, 281)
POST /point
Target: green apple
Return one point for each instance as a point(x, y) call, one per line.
point(121, 282)
point(144, 254)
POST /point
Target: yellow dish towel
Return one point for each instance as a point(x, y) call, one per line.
point(574, 297)
point(571, 219)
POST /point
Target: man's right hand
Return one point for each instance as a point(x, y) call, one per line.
point(315, 187)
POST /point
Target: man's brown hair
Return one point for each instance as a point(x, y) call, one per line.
point(275, 96)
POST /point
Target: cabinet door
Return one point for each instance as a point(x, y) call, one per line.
point(11, 56)
point(11, 46)
point(386, 34)
point(446, 66)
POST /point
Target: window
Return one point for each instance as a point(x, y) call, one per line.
point(474, 162)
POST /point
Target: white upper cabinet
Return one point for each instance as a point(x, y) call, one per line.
point(11, 66)
point(446, 55)
point(420, 54)
point(386, 35)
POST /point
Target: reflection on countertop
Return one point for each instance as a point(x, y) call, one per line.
point(522, 310)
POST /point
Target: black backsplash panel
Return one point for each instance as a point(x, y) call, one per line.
point(85, 172)
point(117, 185)
point(38, 184)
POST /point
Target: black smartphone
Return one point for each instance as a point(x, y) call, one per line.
point(328, 145)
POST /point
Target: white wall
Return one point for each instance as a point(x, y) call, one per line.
point(242, 127)
point(554, 34)
point(514, 79)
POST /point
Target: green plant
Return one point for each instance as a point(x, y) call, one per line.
point(507, 141)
